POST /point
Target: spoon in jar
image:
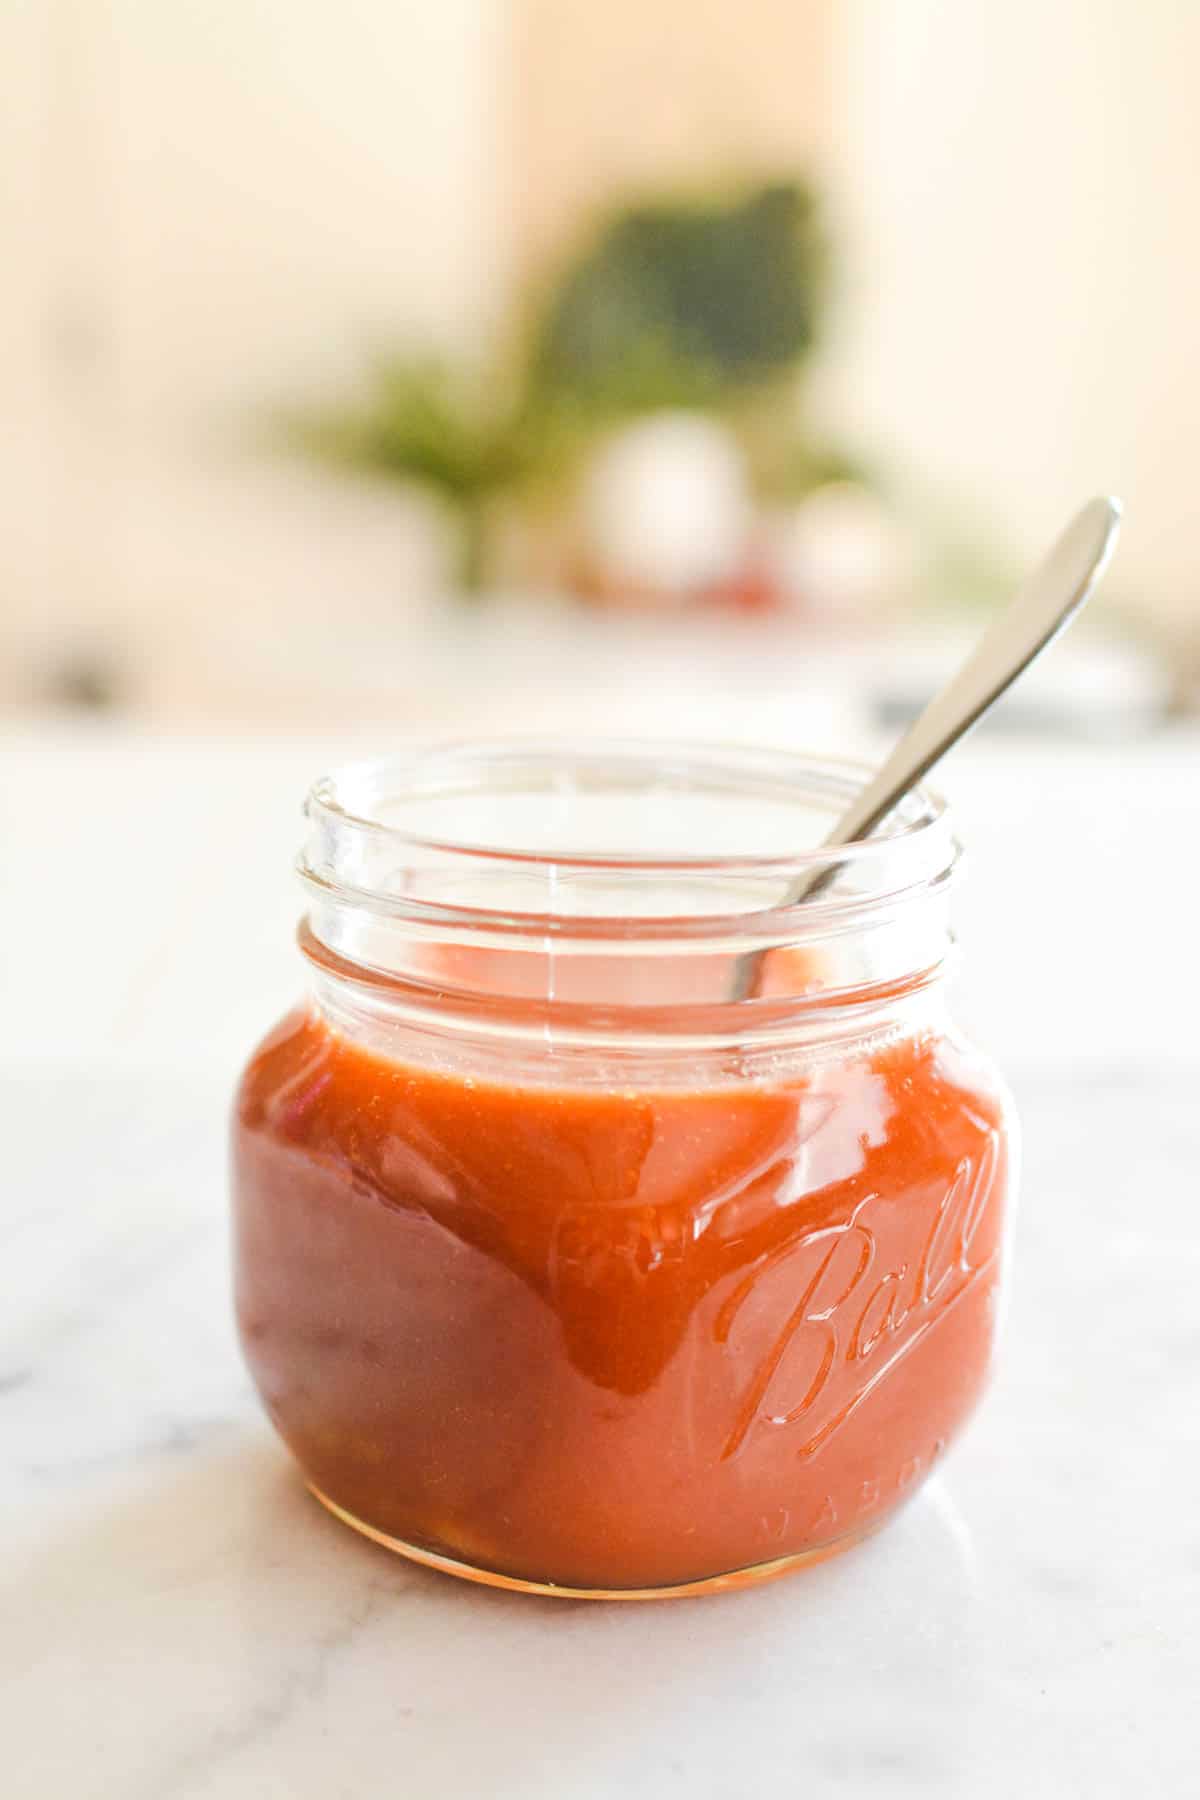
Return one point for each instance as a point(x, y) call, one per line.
point(1046, 602)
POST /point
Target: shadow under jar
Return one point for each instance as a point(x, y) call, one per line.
point(559, 1269)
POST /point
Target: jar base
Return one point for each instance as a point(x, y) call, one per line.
point(709, 1584)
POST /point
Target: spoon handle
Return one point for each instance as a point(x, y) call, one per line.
point(1046, 602)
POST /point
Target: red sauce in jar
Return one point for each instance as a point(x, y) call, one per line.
point(617, 1339)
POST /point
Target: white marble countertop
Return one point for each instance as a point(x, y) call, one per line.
point(183, 1623)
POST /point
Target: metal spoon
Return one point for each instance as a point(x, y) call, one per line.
point(1046, 602)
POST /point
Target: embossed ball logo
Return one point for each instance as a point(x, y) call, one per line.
point(854, 1319)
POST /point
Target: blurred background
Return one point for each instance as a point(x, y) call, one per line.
point(389, 370)
point(533, 362)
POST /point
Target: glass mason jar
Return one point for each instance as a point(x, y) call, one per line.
point(560, 1267)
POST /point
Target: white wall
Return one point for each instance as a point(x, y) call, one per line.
point(210, 207)
point(1018, 187)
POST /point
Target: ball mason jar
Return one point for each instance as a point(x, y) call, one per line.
point(558, 1266)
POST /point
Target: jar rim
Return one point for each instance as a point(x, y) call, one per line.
point(338, 798)
point(393, 893)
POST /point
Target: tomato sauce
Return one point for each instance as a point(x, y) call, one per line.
point(617, 1338)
